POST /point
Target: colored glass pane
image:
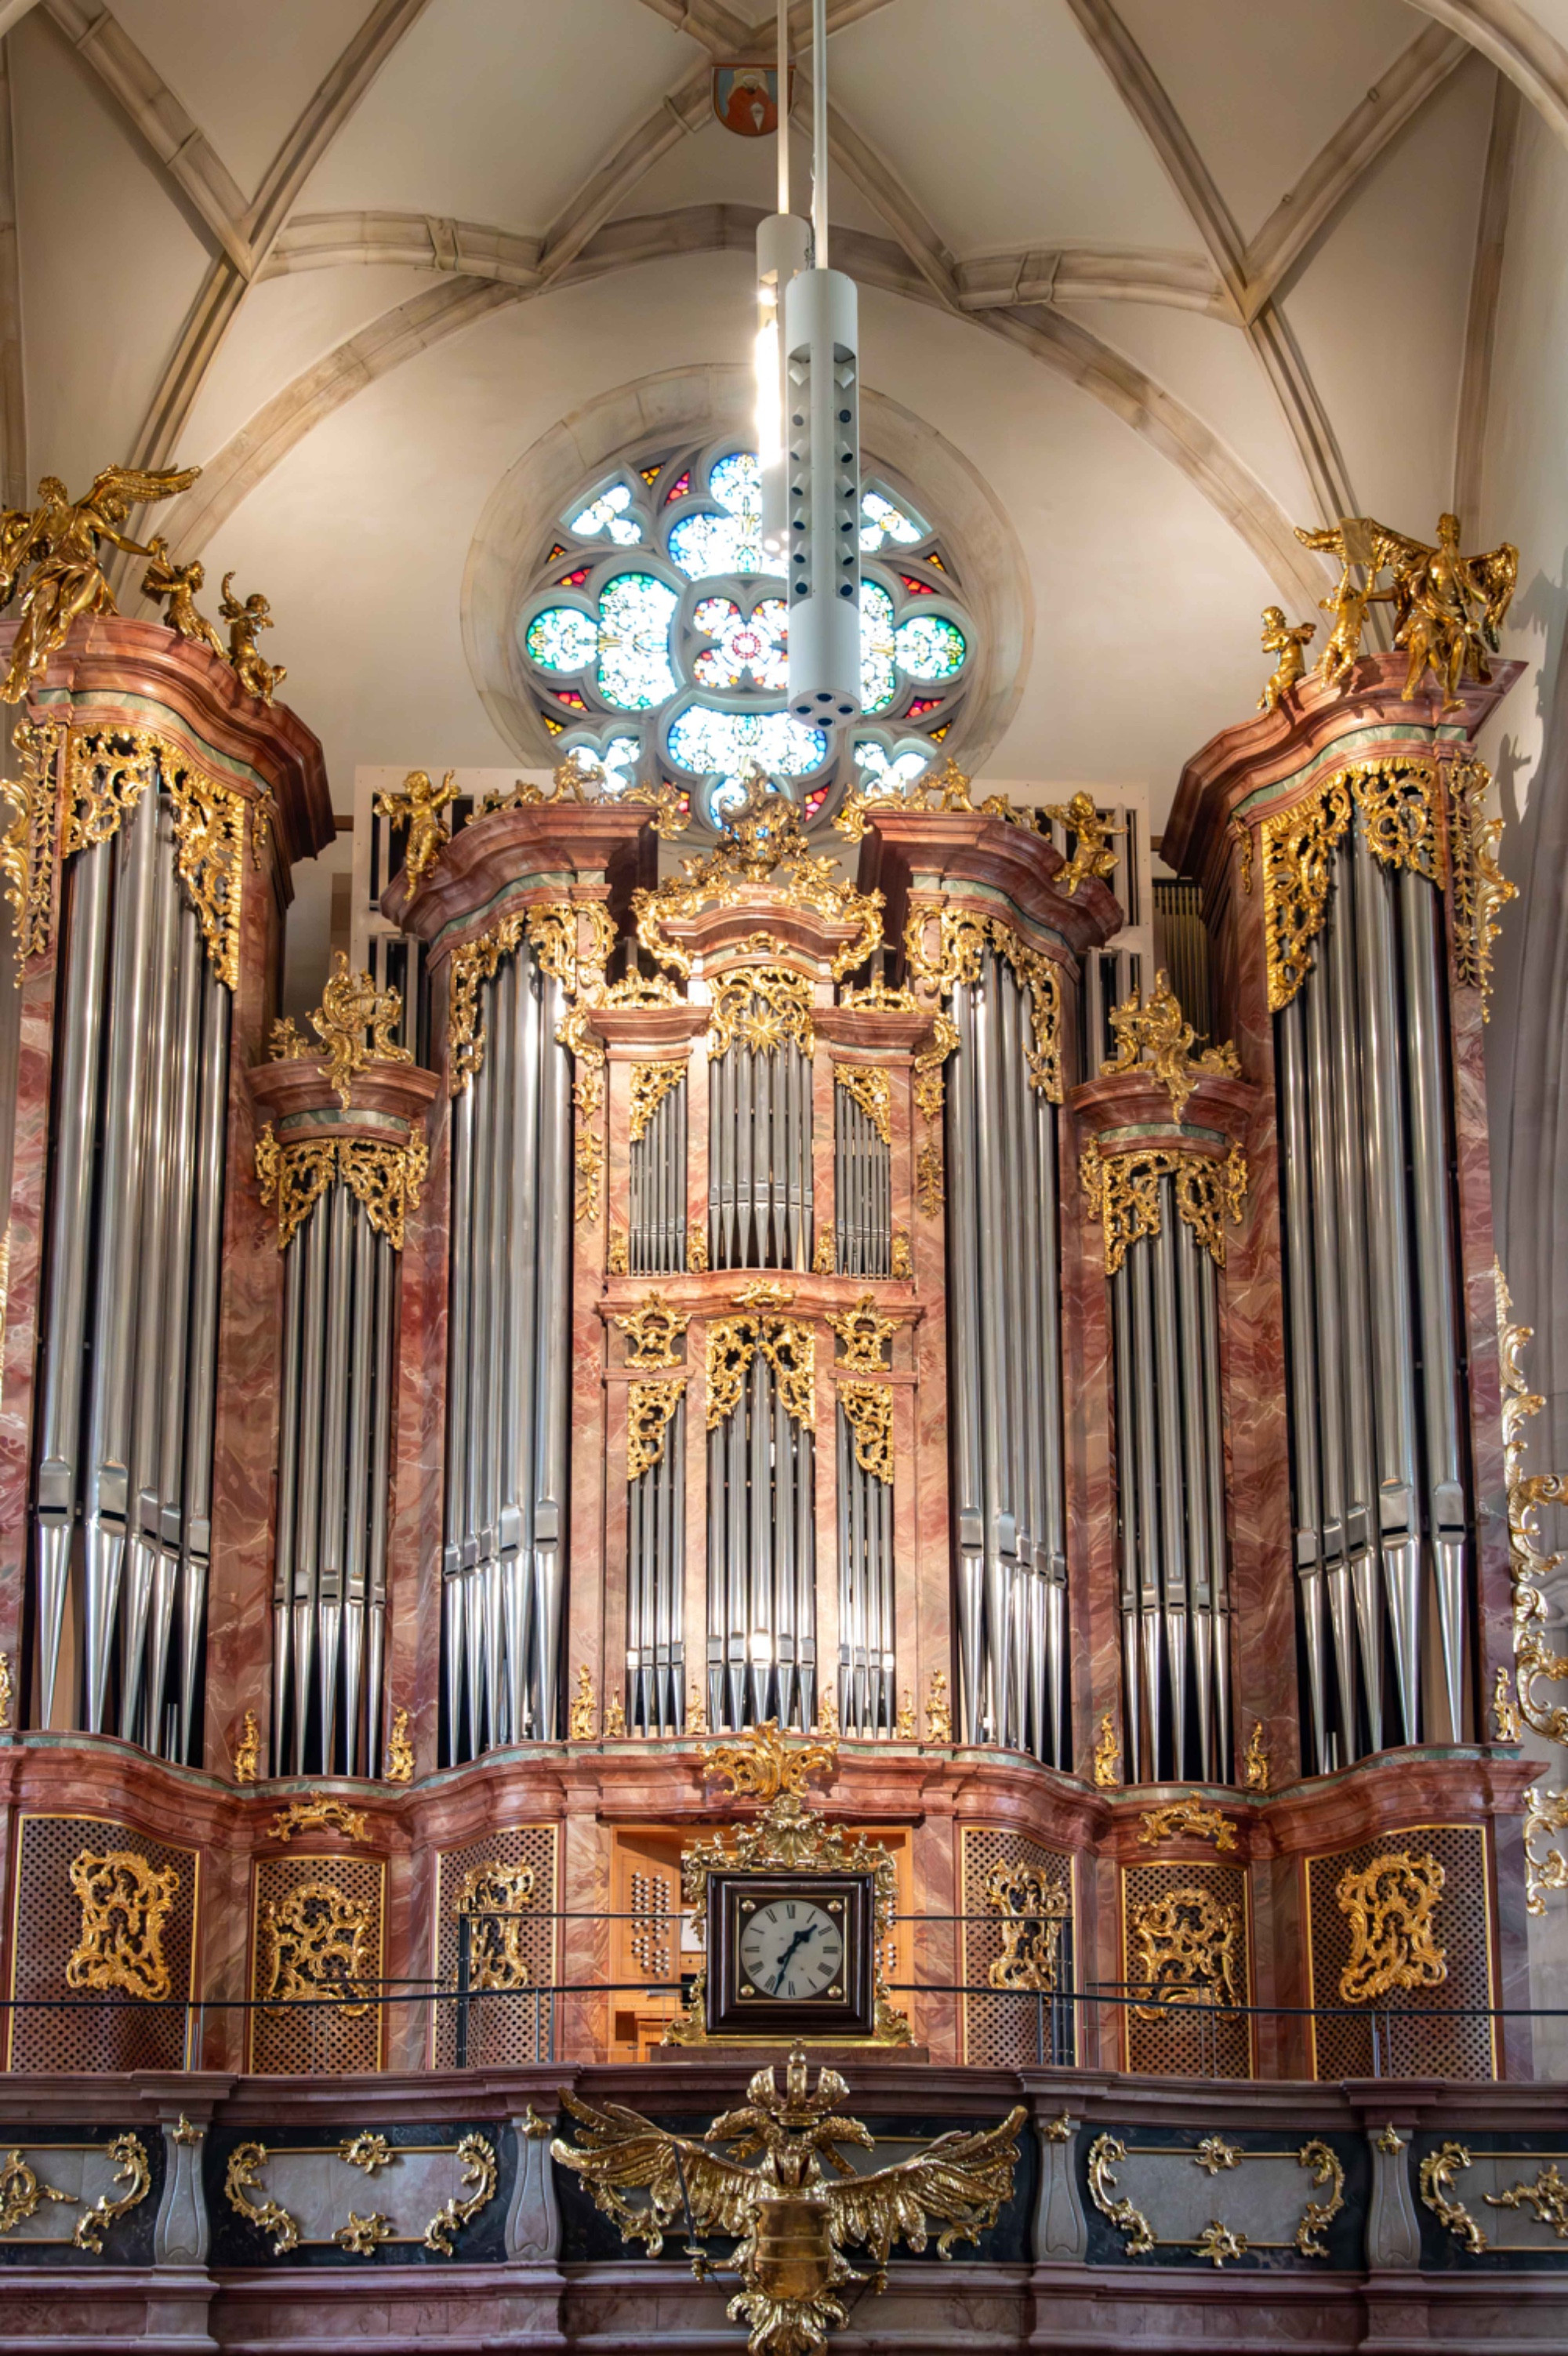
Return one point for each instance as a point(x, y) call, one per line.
point(730, 541)
point(880, 521)
point(879, 774)
point(562, 639)
point(609, 514)
point(878, 641)
point(928, 646)
point(749, 644)
point(716, 744)
point(634, 615)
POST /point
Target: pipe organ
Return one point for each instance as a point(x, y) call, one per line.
point(784, 1294)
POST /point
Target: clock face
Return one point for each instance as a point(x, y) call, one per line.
point(791, 1949)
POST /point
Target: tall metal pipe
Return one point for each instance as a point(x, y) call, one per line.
point(555, 1355)
point(1299, 1294)
point(201, 1398)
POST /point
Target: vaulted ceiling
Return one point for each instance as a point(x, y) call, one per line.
point(1161, 277)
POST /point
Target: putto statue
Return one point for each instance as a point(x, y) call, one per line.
point(177, 585)
point(256, 674)
point(1290, 645)
point(1448, 607)
point(60, 540)
point(791, 2225)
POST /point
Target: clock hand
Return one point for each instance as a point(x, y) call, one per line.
point(799, 1940)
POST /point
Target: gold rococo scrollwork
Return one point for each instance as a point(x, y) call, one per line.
point(868, 1085)
point(1530, 1567)
point(649, 1411)
point(1186, 1819)
point(387, 1180)
point(1187, 1951)
point(1218, 2242)
point(1544, 1813)
point(1156, 1036)
point(350, 1006)
point(868, 1411)
point(1436, 2176)
point(125, 1902)
point(496, 1897)
point(315, 1941)
point(1481, 890)
point(131, 2179)
point(1122, 1192)
point(763, 1006)
point(864, 1335)
point(651, 1329)
point(319, 1811)
point(26, 848)
point(789, 1347)
point(108, 771)
point(1389, 1905)
point(1033, 1909)
point(650, 1083)
point(963, 935)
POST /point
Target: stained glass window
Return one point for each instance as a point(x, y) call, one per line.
point(676, 666)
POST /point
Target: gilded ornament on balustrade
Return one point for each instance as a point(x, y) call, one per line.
point(1104, 2190)
point(570, 781)
point(1156, 1036)
point(1389, 1906)
point(268, 2216)
point(477, 2160)
point(26, 848)
point(399, 1768)
point(827, 1714)
point(1186, 1819)
point(1481, 890)
point(1033, 1909)
point(22, 2190)
point(650, 1409)
point(1548, 2196)
point(1122, 1192)
point(125, 1902)
point(1544, 1813)
point(131, 2179)
point(864, 1334)
point(419, 806)
point(904, 1725)
point(870, 1088)
point(650, 1083)
point(318, 1811)
point(315, 1941)
point(763, 853)
point(1186, 1950)
point(1530, 1568)
point(496, 1897)
point(789, 1349)
point(1436, 2176)
point(651, 1331)
point(868, 1411)
point(107, 773)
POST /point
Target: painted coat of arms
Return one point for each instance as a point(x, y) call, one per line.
point(746, 99)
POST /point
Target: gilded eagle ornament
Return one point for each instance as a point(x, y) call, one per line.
point(791, 2221)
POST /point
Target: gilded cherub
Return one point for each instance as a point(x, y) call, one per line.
point(1448, 607)
point(61, 543)
point(418, 805)
point(1290, 645)
point(256, 674)
point(178, 585)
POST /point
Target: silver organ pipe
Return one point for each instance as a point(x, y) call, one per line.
point(759, 1143)
point(1004, 1342)
point(656, 1240)
point(762, 1554)
point(656, 1560)
point(509, 1370)
point(1366, 1123)
point(862, 1183)
point(330, 1567)
point(866, 1696)
point(1170, 1485)
point(124, 1485)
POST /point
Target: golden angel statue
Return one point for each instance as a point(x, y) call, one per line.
point(256, 674)
point(1448, 607)
point(1290, 645)
point(792, 2224)
point(419, 806)
point(177, 586)
point(61, 542)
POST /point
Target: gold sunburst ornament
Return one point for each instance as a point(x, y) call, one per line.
point(790, 2223)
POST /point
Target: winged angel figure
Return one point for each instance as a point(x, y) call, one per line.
point(1448, 607)
point(60, 540)
point(790, 2223)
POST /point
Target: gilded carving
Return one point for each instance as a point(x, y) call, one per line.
point(584, 1709)
point(126, 1903)
point(696, 1716)
point(824, 1258)
point(868, 1411)
point(1436, 2176)
point(477, 2162)
point(904, 1725)
point(1255, 1769)
point(351, 1005)
point(1122, 1192)
point(962, 939)
point(614, 1719)
point(107, 773)
point(387, 1180)
point(939, 1709)
point(1448, 607)
point(22, 2190)
point(1389, 1905)
point(790, 1835)
point(615, 1260)
point(419, 806)
point(1401, 804)
point(362, 2236)
point(1290, 645)
point(764, 1007)
point(400, 1751)
point(901, 1268)
point(1186, 1819)
point(366, 2151)
point(1544, 1813)
point(1214, 2155)
point(929, 1190)
point(6, 1692)
point(1107, 1755)
point(132, 2178)
point(869, 1087)
point(319, 1810)
point(761, 852)
point(1091, 854)
point(1530, 1567)
point(590, 1166)
point(1187, 1951)
point(248, 1750)
point(928, 1067)
point(1481, 890)
point(697, 1247)
point(26, 848)
point(789, 1347)
point(61, 541)
point(314, 1943)
point(1032, 1910)
point(245, 618)
point(649, 1410)
point(650, 1083)
point(245, 2164)
point(651, 1331)
point(1548, 2196)
point(477, 962)
point(295, 1176)
point(789, 2224)
point(864, 1335)
point(1156, 1036)
point(177, 588)
point(1104, 2190)
point(1505, 1711)
point(495, 1895)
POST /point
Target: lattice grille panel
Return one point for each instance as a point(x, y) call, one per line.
point(332, 2035)
point(1007, 2031)
point(48, 1929)
point(505, 2027)
point(1461, 1926)
point(1185, 2040)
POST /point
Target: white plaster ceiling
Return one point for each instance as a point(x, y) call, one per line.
point(518, 205)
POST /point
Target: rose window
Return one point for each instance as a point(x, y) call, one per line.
point(655, 638)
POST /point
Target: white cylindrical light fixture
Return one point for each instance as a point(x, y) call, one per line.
point(783, 248)
point(821, 382)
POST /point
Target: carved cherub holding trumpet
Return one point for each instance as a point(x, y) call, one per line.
point(1290, 645)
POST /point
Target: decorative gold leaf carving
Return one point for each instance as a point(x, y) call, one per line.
point(1122, 1192)
point(1529, 1566)
point(248, 1750)
point(21, 2189)
point(584, 1710)
point(245, 2164)
point(863, 1334)
point(939, 1709)
point(131, 2173)
point(869, 1087)
point(1032, 1910)
point(651, 1331)
point(1188, 1950)
point(1187, 1818)
point(495, 1895)
point(478, 2164)
point(963, 938)
point(1389, 1905)
point(420, 806)
point(351, 1005)
point(763, 1762)
point(650, 1409)
point(868, 1411)
point(650, 1083)
point(27, 849)
point(789, 1349)
point(929, 1191)
point(1157, 1037)
point(314, 1943)
point(387, 1180)
point(1548, 2196)
point(362, 2236)
point(1107, 1755)
point(400, 1751)
point(1255, 1766)
point(1481, 890)
point(1401, 800)
point(1436, 2176)
point(107, 772)
point(124, 1904)
point(1104, 2154)
point(1544, 1812)
point(764, 1007)
point(320, 1809)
